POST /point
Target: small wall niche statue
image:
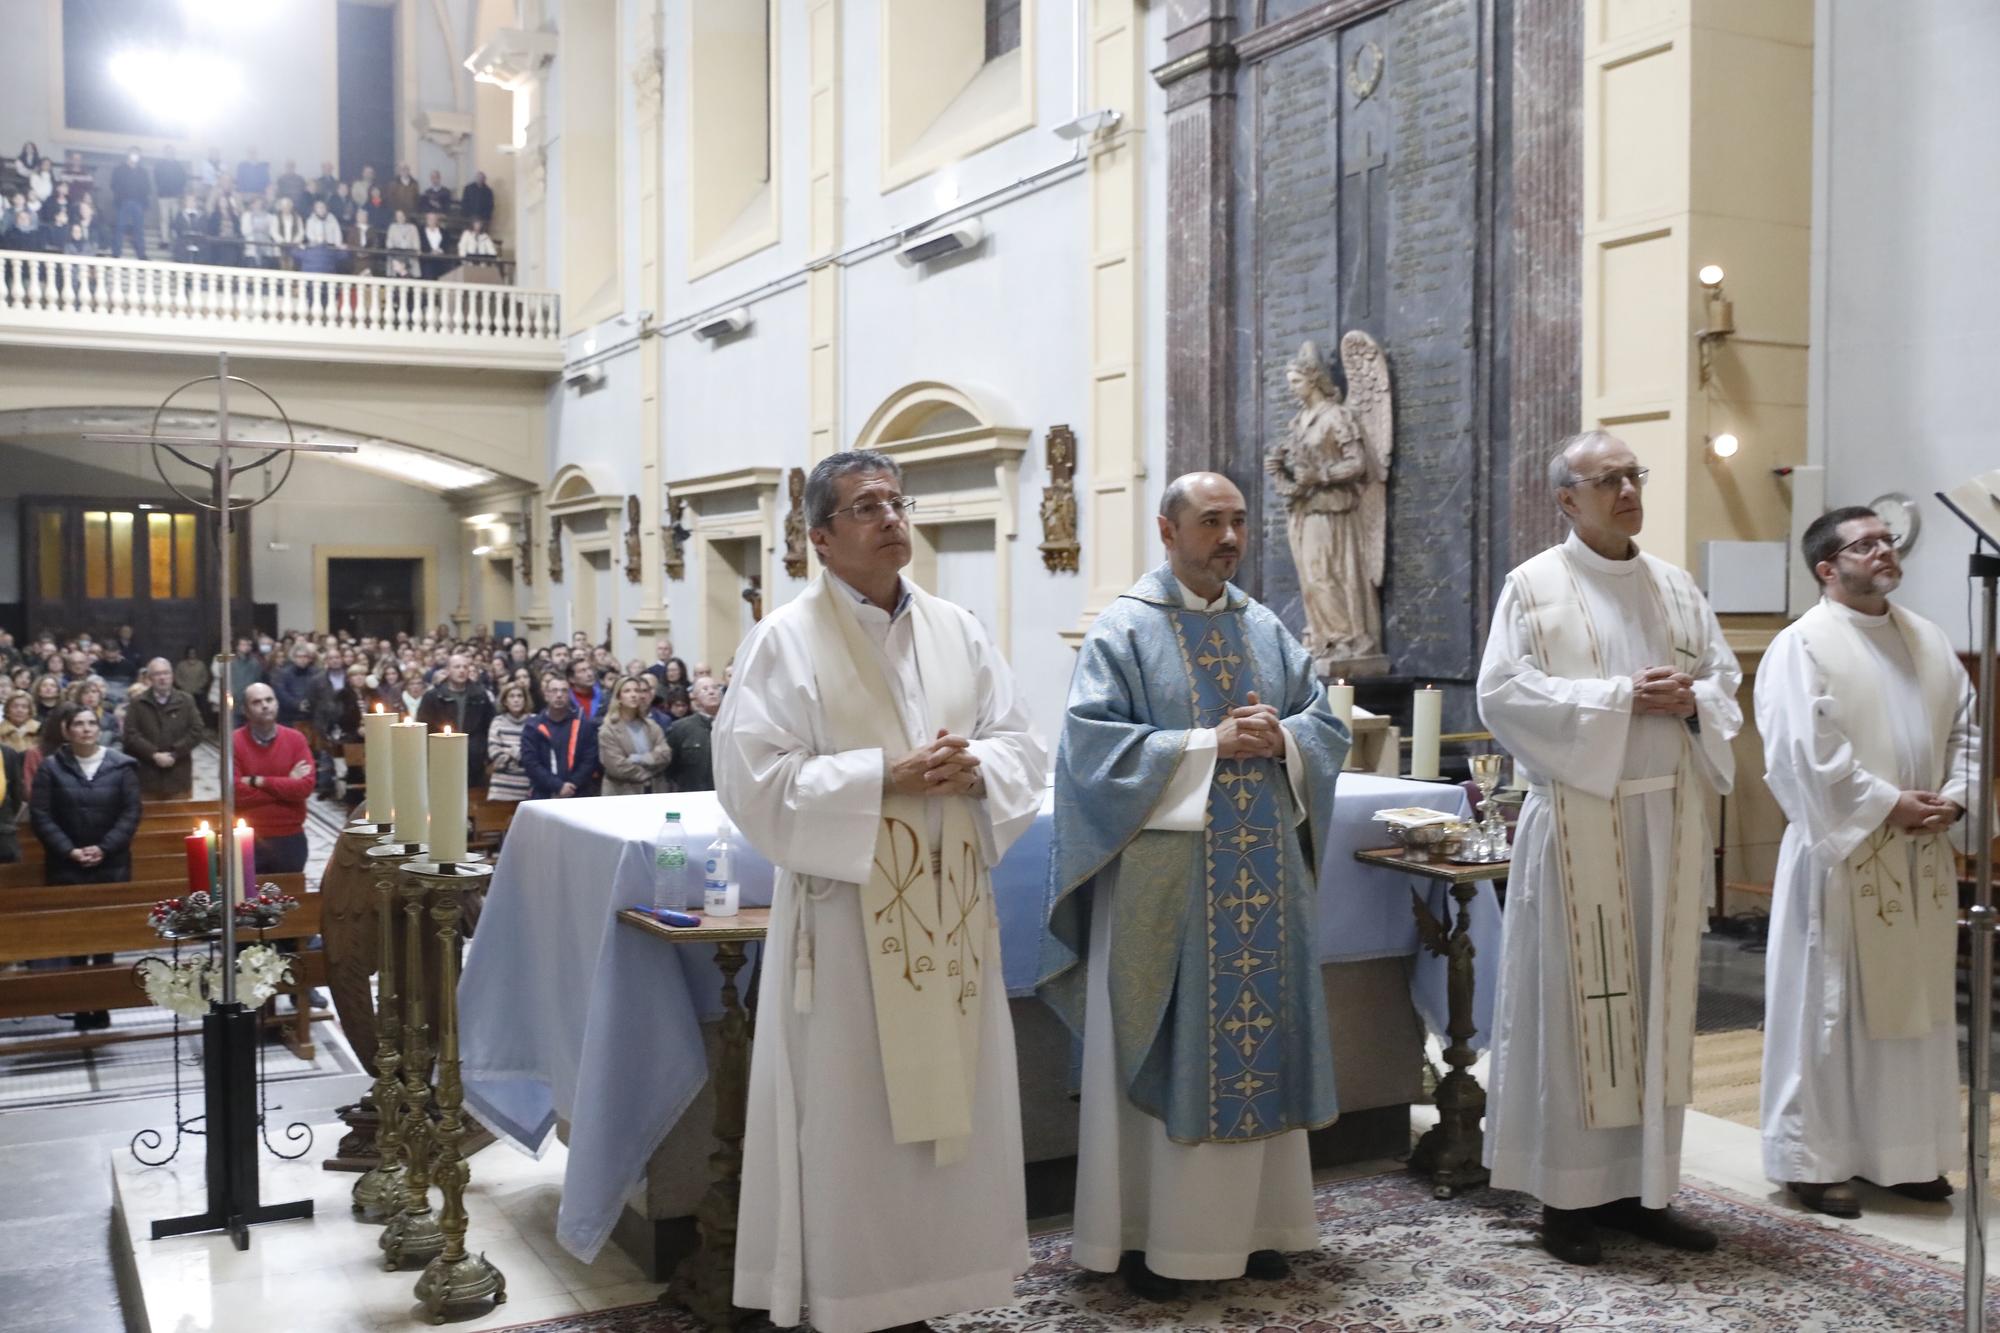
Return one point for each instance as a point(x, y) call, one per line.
point(795, 524)
point(1332, 472)
point(1059, 543)
point(632, 548)
point(672, 539)
point(555, 548)
point(524, 545)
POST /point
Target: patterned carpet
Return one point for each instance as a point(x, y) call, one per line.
point(1395, 1260)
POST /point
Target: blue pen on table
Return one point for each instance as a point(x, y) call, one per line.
point(667, 917)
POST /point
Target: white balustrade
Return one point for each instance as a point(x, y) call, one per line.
point(396, 316)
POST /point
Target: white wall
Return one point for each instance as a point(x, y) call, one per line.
point(326, 502)
point(1906, 290)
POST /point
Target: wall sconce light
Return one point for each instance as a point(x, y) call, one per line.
point(1721, 320)
point(1723, 446)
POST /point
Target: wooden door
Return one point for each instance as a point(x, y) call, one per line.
point(93, 564)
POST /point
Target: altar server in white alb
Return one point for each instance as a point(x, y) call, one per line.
point(1870, 738)
point(1607, 677)
point(873, 746)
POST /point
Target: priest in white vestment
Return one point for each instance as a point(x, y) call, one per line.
point(1871, 743)
point(1197, 765)
point(873, 746)
point(1606, 676)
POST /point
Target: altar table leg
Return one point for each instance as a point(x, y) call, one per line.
point(1451, 1150)
point(704, 1282)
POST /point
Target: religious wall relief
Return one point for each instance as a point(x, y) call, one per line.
point(632, 546)
point(1059, 539)
point(795, 524)
point(673, 539)
point(524, 544)
point(1331, 472)
point(555, 548)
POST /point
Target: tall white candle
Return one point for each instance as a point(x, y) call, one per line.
point(381, 764)
point(446, 753)
point(1340, 702)
point(1426, 718)
point(406, 743)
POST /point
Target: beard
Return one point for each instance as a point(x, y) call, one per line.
point(1871, 582)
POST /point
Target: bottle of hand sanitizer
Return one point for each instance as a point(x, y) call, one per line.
point(719, 889)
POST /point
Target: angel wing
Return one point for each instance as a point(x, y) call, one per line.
point(1369, 399)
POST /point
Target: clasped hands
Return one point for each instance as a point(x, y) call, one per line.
point(1924, 812)
point(87, 856)
point(1251, 732)
point(1663, 692)
point(944, 767)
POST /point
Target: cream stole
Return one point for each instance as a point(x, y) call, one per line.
point(932, 932)
point(1590, 859)
point(1905, 934)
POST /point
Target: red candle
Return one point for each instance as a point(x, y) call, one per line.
point(200, 864)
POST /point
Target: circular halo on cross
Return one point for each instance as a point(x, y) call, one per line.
point(236, 505)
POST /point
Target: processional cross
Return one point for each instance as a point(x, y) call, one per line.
point(229, 1033)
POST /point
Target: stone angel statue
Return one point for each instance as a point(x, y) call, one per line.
point(1332, 472)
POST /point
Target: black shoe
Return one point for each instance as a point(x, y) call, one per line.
point(1144, 1283)
point(1662, 1226)
point(1924, 1191)
point(95, 1020)
point(1267, 1266)
point(1835, 1200)
point(1567, 1233)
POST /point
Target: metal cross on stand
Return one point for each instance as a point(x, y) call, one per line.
point(229, 1030)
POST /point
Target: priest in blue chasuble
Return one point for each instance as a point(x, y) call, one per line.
point(1193, 785)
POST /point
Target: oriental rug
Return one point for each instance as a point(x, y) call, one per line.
point(1396, 1260)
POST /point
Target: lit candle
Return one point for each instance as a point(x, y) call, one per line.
point(1426, 718)
point(406, 746)
point(201, 859)
point(447, 754)
point(381, 765)
point(1340, 702)
point(246, 860)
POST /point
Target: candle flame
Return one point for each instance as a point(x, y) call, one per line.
point(1341, 681)
point(242, 827)
point(446, 731)
point(378, 705)
point(203, 828)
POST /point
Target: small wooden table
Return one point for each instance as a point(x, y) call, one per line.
point(1450, 1152)
point(704, 1281)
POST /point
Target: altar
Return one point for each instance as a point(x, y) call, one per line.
point(567, 1018)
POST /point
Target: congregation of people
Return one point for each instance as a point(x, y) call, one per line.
point(247, 215)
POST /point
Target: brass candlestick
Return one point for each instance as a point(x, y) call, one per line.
point(348, 925)
point(454, 1278)
point(378, 1195)
point(412, 1236)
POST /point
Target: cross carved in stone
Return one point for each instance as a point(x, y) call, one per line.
point(1363, 172)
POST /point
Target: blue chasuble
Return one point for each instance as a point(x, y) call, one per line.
point(1220, 1017)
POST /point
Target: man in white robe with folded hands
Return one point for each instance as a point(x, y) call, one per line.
point(1871, 743)
point(1607, 677)
point(873, 747)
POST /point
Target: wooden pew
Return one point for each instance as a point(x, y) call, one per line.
point(154, 842)
point(28, 935)
point(127, 893)
point(490, 820)
point(168, 866)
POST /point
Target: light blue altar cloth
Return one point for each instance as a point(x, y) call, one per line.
point(566, 1014)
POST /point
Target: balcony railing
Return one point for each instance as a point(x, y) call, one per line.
point(79, 300)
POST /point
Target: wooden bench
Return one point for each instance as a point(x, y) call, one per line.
point(153, 842)
point(111, 919)
point(169, 866)
point(490, 820)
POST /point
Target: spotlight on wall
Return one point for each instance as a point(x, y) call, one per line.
point(1710, 276)
point(926, 246)
point(1724, 445)
point(1721, 317)
point(1090, 123)
point(725, 325)
point(482, 550)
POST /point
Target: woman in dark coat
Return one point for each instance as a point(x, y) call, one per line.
point(84, 805)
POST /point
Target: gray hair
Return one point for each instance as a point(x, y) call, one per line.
point(821, 493)
point(1560, 475)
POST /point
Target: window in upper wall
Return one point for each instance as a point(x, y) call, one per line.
point(732, 131)
point(1003, 27)
point(958, 76)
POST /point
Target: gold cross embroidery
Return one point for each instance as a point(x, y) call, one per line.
point(1885, 907)
point(1236, 784)
point(903, 873)
point(1217, 656)
point(1242, 900)
point(1251, 1024)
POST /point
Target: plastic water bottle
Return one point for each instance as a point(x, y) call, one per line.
point(719, 888)
point(670, 862)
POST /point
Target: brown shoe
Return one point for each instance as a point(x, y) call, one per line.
point(1835, 1200)
point(1925, 1191)
point(1567, 1233)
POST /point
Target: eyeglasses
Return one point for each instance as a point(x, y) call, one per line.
point(1615, 480)
point(873, 511)
point(1867, 546)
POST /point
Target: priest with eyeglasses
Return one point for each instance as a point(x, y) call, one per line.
point(1607, 677)
point(873, 746)
point(1871, 740)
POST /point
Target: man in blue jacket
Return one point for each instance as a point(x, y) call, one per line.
point(559, 747)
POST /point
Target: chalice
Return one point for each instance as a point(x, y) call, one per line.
point(1493, 827)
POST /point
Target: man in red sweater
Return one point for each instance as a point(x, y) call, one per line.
point(274, 779)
